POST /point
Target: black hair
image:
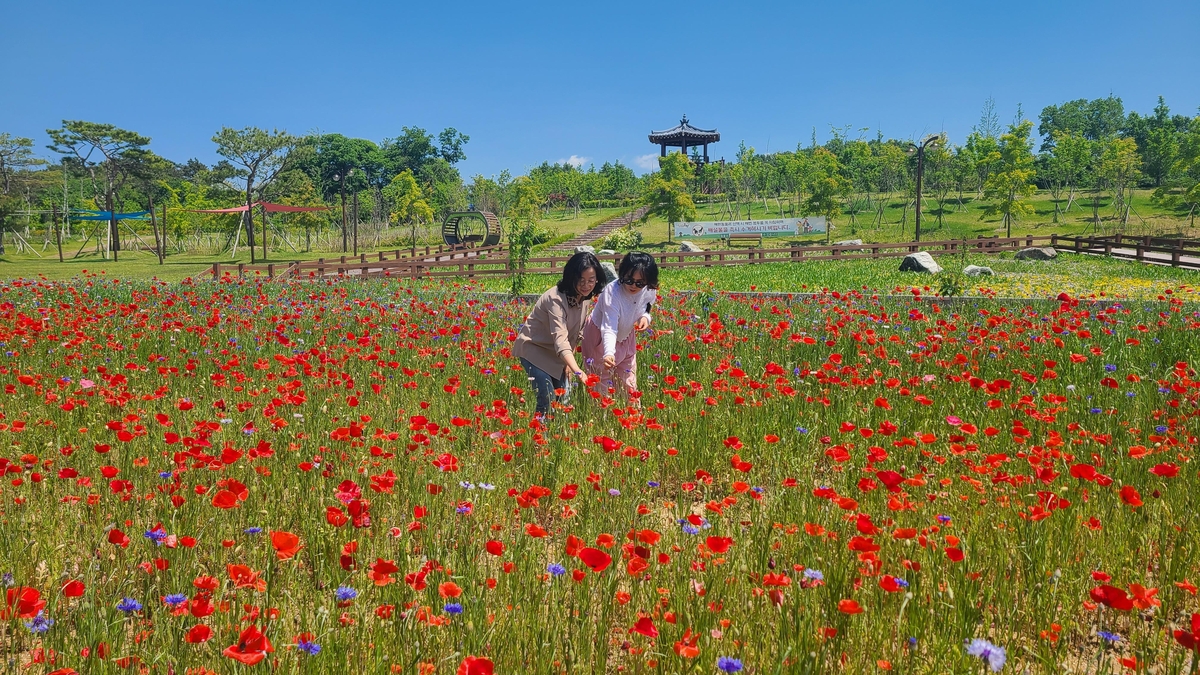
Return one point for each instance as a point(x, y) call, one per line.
point(573, 272)
point(636, 261)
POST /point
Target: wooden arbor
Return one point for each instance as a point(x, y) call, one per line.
point(685, 136)
point(481, 228)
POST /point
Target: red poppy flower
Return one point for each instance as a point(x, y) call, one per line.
point(252, 646)
point(23, 601)
point(718, 544)
point(1190, 639)
point(1111, 596)
point(198, 634)
point(596, 559)
point(644, 626)
point(73, 588)
point(1130, 496)
point(224, 499)
point(286, 544)
point(475, 665)
point(847, 606)
point(495, 548)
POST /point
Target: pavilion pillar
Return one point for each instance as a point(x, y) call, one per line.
point(663, 146)
point(706, 153)
point(683, 149)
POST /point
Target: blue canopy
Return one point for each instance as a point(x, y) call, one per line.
point(108, 215)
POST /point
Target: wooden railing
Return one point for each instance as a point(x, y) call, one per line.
point(475, 262)
point(1176, 252)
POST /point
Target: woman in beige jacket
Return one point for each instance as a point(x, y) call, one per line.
point(548, 338)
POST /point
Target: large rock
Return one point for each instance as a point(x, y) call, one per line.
point(978, 271)
point(920, 261)
point(606, 251)
point(1037, 254)
point(610, 272)
point(585, 249)
point(689, 247)
point(848, 242)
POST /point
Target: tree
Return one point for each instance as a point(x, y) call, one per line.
point(343, 166)
point(667, 195)
point(258, 156)
point(1012, 183)
point(408, 203)
point(983, 153)
point(450, 145)
point(444, 186)
point(16, 154)
point(1184, 188)
point(1064, 166)
point(411, 150)
point(826, 187)
point(1095, 120)
point(1119, 170)
point(1158, 140)
point(81, 140)
point(523, 218)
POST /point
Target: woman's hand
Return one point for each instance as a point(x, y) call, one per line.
point(583, 378)
point(610, 360)
point(642, 323)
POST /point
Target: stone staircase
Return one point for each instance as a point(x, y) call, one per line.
point(601, 231)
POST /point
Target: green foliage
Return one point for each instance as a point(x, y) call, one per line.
point(16, 154)
point(1011, 185)
point(623, 239)
point(522, 230)
point(951, 284)
point(408, 203)
point(667, 193)
point(826, 186)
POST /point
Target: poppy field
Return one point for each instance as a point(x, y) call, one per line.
point(324, 477)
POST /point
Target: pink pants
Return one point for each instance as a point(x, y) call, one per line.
point(623, 376)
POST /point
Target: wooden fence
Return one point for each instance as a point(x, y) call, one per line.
point(490, 261)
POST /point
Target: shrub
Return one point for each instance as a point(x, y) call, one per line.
point(624, 239)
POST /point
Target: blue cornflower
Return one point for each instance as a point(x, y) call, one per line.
point(40, 623)
point(165, 475)
point(652, 483)
point(128, 605)
point(801, 430)
point(989, 653)
point(813, 574)
point(253, 530)
point(463, 508)
point(1160, 429)
point(345, 593)
point(614, 492)
point(1164, 390)
point(1131, 394)
point(901, 582)
point(943, 519)
point(556, 569)
point(452, 608)
point(1095, 411)
point(726, 664)
point(175, 599)
point(688, 528)
point(155, 536)
point(912, 642)
point(308, 647)
point(487, 486)
point(1110, 637)
point(466, 485)
point(1110, 368)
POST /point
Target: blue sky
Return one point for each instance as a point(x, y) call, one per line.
point(553, 81)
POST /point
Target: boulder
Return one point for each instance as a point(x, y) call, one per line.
point(606, 251)
point(1046, 253)
point(585, 249)
point(849, 242)
point(689, 247)
point(978, 271)
point(920, 261)
point(610, 272)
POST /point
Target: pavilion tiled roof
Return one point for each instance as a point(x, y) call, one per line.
point(685, 131)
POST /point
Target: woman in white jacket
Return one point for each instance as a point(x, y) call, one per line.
point(609, 341)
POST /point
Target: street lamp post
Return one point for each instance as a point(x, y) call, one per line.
point(920, 150)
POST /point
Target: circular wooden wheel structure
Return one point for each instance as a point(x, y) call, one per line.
point(481, 228)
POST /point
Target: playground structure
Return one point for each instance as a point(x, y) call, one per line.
point(478, 228)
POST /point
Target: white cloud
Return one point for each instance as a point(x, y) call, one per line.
point(575, 161)
point(648, 162)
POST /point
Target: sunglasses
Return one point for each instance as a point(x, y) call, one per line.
point(631, 282)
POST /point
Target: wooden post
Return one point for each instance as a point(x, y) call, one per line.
point(241, 270)
point(321, 267)
point(57, 232)
point(154, 228)
point(216, 271)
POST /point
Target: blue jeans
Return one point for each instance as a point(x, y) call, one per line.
point(544, 385)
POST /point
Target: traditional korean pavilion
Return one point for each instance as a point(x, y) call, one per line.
point(685, 136)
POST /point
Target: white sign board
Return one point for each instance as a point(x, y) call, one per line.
point(724, 228)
